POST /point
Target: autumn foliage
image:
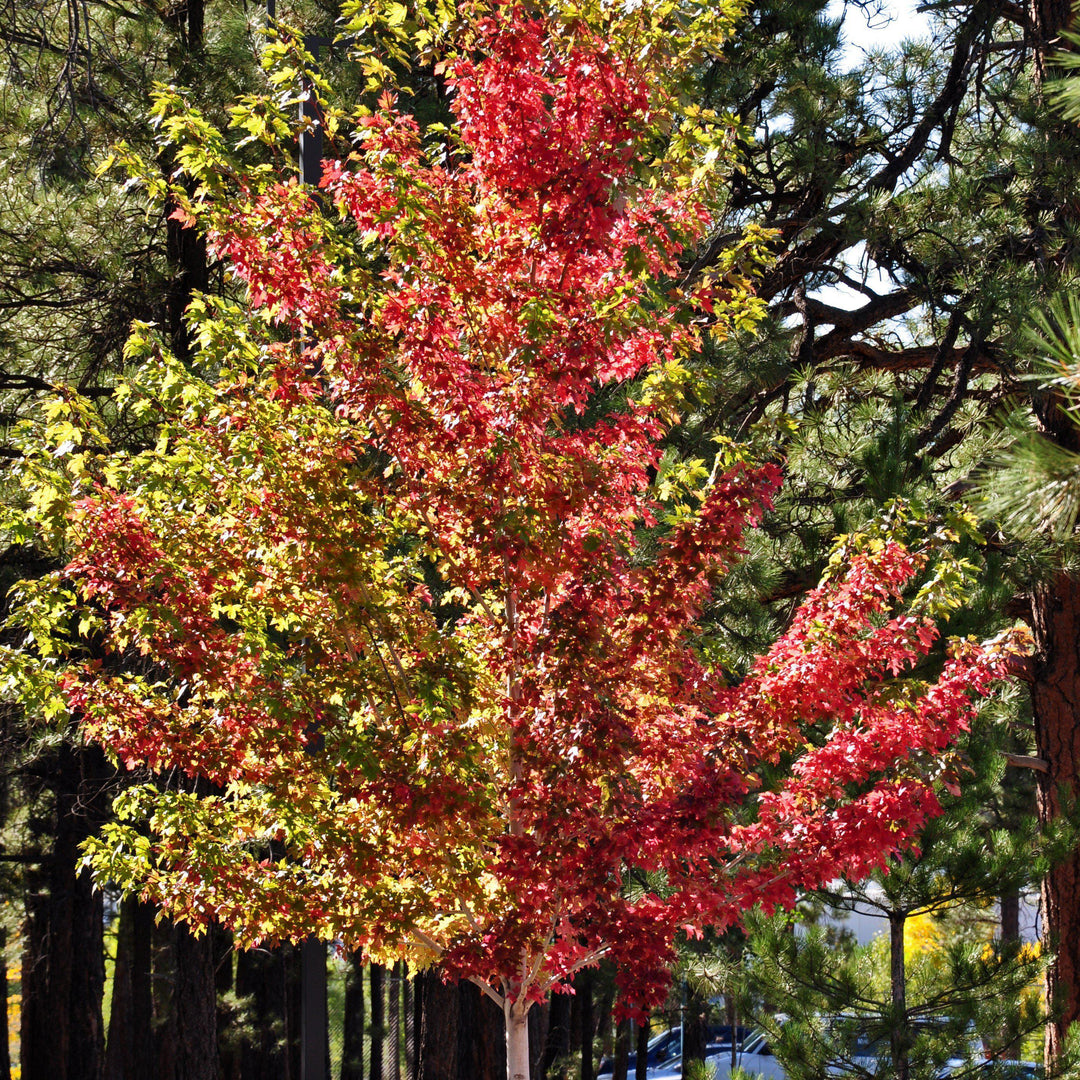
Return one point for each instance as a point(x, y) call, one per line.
point(407, 594)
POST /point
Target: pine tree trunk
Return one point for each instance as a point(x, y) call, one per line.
point(270, 981)
point(377, 1022)
point(142, 991)
point(898, 980)
point(392, 1070)
point(584, 985)
point(223, 955)
point(1048, 19)
point(185, 249)
point(314, 1026)
point(195, 1005)
point(695, 1030)
point(63, 972)
point(731, 1017)
point(641, 1067)
point(538, 1022)
point(481, 1046)
point(440, 1013)
point(129, 1051)
point(87, 1046)
point(603, 1031)
point(622, 1050)
point(5, 1048)
point(352, 1039)
point(557, 1044)
point(1009, 920)
point(164, 984)
point(408, 1024)
point(576, 1000)
point(1056, 704)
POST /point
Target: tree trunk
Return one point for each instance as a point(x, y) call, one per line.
point(314, 1026)
point(517, 1040)
point(377, 1022)
point(269, 980)
point(1056, 705)
point(1009, 920)
point(439, 1010)
point(408, 1025)
point(129, 1051)
point(602, 1025)
point(898, 979)
point(1010, 937)
point(352, 1038)
point(5, 1048)
point(584, 984)
point(223, 955)
point(538, 1022)
point(164, 985)
point(731, 1017)
point(185, 248)
point(392, 1070)
point(481, 1047)
point(195, 1007)
point(87, 1026)
point(63, 977)
point(576, 1036)
point(695, 1030)
point(1048, 19)
point(641, 1066)
point(557, 1044)
point(622, 1050)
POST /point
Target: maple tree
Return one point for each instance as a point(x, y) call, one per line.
point(408, 583)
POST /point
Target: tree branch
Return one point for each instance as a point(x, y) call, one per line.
point(1023, 761)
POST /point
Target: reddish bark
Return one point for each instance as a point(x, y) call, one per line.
point(440, 1014)
point(1056, 701)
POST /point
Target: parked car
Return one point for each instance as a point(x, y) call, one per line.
point(661, 1048)
point(863, 1055)
point(754, 1057)
point(665, 1050)
point(863, 1046)
point(994, 1069)
point(666, 1070)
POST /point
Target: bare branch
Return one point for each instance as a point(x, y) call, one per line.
point(1023, 761)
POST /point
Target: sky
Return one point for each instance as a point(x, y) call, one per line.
point(889, 22)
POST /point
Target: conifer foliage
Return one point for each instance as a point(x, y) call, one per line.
point(407, 582)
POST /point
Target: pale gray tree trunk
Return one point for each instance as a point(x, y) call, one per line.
point(517, 1040)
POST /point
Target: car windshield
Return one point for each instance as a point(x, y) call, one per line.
point(756, 1043)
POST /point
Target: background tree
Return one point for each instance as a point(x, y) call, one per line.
point(80, 258)
point(922, 196)
point(882, 1011)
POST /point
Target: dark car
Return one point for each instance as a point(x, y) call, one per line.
point(668, 1043)
point(996, 1069)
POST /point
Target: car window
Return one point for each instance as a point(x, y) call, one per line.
point(757, 1044)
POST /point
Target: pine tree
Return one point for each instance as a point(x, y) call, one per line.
point(79, 260)
point(923, 202)
point(972, 994)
